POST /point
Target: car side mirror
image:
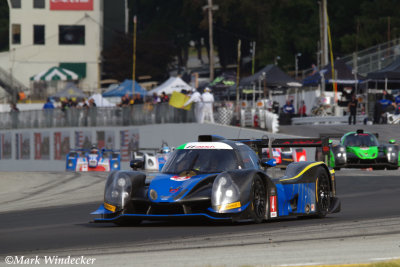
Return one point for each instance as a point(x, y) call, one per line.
point(137, 164)
point(392, 141)
point(267, 162)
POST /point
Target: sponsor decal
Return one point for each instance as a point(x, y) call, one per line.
point(174, 190)
point(71, 4)
point(229, 206)
point(200, 147)
point(207, 145)
point(109, 207)
point(180, 178)
point(273, 214)
point(272, 206)
point(312, 207)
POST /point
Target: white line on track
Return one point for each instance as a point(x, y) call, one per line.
point(301, 264)
point(384, 259)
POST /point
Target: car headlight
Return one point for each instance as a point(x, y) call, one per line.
point(115, 165)
point(121, 182)
point(342, 149)
point(225, 193)
point(118, 189)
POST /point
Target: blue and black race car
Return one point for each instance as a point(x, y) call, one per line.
point(222, 180)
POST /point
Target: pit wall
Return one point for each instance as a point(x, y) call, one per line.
point(45, 149)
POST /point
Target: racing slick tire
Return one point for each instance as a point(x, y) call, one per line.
point(259, 200)
point(323, 193)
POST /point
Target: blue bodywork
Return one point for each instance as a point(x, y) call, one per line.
point(104, 157)
point(171, 191)
point(306, 195)
point(219, 180)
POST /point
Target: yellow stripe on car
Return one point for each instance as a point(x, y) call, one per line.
point(304, 170)
point(109, 207)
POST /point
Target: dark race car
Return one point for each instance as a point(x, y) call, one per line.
point(362, 150)
point(222, 180)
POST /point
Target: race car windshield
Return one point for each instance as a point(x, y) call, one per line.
point(361, 140)
point(201, 161)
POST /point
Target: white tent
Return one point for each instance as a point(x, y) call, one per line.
point(101, 101)
point(171, 85)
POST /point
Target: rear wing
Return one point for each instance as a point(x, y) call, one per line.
point(258, 144)
point(340, 135)
point(78, 150)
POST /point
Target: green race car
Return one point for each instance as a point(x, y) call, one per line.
point(362, 150)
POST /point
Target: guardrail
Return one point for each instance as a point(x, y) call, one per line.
point(134, 115)
point(141, 114)
point(325, 120)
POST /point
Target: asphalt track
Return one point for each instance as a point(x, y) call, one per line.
point(369, 222)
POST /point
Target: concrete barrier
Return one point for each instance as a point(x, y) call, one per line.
point(45, 149)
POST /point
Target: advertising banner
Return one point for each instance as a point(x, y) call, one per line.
point(71, 4)
point(42, 145)
point(129, 143)
point(61, 145)
point(23, 147)
point(6, 146)
point(105, 139)
point(83, 139)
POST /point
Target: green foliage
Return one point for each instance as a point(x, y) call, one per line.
point(279, 27)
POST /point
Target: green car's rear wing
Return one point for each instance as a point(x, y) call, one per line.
point(340, 135)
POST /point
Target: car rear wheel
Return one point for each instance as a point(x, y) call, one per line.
point(323, 193)
point(259, 202)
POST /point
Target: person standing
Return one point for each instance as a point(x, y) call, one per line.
point(48, 109)
point(302, 109)
point(288, 108)
point(387, 105)
point(352, 108)
point(195, 97)
point(208, 103)
point(14, 112)
point(397, 102)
